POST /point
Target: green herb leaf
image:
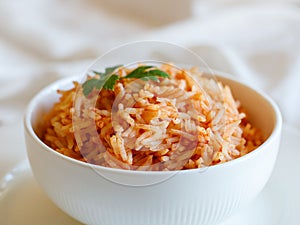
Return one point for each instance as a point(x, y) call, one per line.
point(89, 85)
point(111, 82)
point(138, 72)
point(147, 73)
point(108, 80)
point(158, 73)
point(110, 70)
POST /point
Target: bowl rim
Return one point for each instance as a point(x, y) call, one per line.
point(55, 85)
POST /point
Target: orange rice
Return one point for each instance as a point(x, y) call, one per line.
point(171, 125)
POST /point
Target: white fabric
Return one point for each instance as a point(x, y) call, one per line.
point(40, 41)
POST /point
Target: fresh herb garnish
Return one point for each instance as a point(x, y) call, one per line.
point(147, 73)
point(108, 79)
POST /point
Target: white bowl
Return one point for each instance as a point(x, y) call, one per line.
point(97, 195)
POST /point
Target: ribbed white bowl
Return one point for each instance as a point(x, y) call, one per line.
point(106, 196)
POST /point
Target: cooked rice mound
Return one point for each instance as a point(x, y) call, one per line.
point(177, 123)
